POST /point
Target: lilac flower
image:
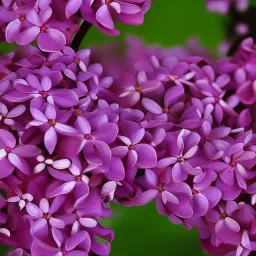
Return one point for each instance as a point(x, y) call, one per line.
point(103, 13)
point(180, 156)
point(233, 168)
point(143, 155)
point(80, 59)
point(225, 226)
point(12, 155)
point(58, 164)
point(7, 116)
point(69, 248)
point(214, 94)
point(49, 38)
point(73, 179)
point(20, 198)
point(93, 140)
point(32, 88)
point(142, 86)
point(44, 214)
point(53, 124)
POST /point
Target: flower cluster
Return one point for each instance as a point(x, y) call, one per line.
point(52, 23)
point(169, 125)
point(198, 115)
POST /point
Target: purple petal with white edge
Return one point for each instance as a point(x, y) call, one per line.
point(60, 175)
point(88, 222)
point(200, 205)
point(108, 190)
point(83, 125)
point(146, 197)
point(3, 109)
point(178, 174)
point(169, 197)
point(19, 163)
point(50, 140)
point(232, 224)
point(12, 30)
point(50, 112)
point(58, 237)
point(17, 111)
point(103, 16)
point(3, 154)
point(27, 36)
point(72, 7)
point(61, 164)
point(56, 223)
point(179, 188)
point(132, 158)
point(62, 189)
point(73, 241)
point(34, 211)
point(45, 14)
point(65, 129)
point(166, 162)
point(65, 98)
point(151, 106)
point(131, 130)
point(46, 83)
point(183, 209)
point(33, 17)
point(44, 205)
point(38, 115)
point(151, 178)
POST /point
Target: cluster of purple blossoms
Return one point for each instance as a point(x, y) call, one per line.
point(197, 116)
point(53, 23)
point(79, 130)
point(169, 125)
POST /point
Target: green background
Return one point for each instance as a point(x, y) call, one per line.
point(141, 230)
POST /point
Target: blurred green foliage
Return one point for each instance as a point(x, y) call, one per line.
point(141, 230)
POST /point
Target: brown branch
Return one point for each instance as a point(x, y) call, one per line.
point(80, 35)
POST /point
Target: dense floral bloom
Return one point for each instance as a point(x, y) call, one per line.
point(103, 13)
point(53, 23)
point(80, 130)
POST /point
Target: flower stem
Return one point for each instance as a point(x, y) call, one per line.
point(80, 35)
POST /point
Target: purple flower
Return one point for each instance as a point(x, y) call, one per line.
point(50, 39)
point(140, 154)
point(33, 88)
point(44, 214)
point(20, 198)
point(77, 244)
point(8, 116)
point(53, 125)
point(103, 13)
point(180, 155)
point(13, 155)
